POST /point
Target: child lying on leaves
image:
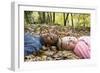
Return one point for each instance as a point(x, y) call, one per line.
point(32, 43)
point(80, 46)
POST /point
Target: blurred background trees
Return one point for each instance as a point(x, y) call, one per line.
point(73, 20)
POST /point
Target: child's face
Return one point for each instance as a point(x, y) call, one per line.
point(71, 45)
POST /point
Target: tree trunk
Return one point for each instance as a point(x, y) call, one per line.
point(50, 17)
point(43, 17)
point(72, 22)
point(39, 19)
point(64, 19)
point(53, 17)
point(83, 21)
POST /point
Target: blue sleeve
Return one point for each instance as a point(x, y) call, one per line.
point(31, 44)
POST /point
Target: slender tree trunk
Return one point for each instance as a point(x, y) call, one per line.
point(53, 17)
point(50, 17)
point(64, 19)
point(39, 19)
point(43, 17)
point(78, 22)
point(72, 22)
point(83, 21)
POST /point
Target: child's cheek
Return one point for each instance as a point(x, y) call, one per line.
point(71, 46)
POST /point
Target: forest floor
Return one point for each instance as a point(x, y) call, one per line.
point(45, 53)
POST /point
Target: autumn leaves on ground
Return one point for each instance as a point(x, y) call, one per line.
point(55, 26)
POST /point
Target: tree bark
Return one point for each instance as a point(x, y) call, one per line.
point(43, 17)
point(72, 22)
point(53, 17)
point(64, 19)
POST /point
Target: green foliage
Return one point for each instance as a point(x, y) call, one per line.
point(58, 18)
point(28, 19)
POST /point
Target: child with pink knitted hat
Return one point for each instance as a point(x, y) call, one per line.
point(80, 46)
